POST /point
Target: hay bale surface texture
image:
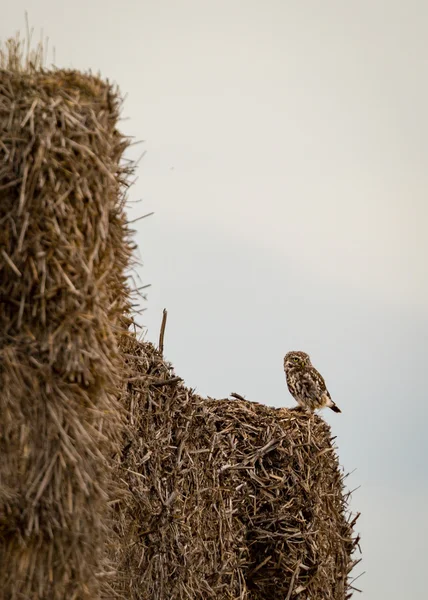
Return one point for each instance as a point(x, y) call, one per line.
point(63, 251)
point(227, 499)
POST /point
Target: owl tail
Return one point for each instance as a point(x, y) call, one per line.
point(329, 402)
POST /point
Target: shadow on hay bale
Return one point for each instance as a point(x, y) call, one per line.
point(64, 247)
point(226, 498)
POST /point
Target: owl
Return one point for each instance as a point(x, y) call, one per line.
point(306, 385)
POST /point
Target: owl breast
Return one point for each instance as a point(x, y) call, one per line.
point(305, 387)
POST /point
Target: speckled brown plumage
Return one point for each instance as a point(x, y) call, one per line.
point(305, 384)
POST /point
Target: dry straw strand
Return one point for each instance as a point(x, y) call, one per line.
point(64, 249)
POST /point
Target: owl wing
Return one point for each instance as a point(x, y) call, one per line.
point(315, 381)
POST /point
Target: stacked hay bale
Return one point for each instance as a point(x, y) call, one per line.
point(64, 247)
point(227, 499)
point(213, 499)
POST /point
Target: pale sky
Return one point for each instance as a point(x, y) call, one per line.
point(287, 152)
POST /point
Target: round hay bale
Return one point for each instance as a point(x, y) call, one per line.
point(64, 247)
point(226, 499)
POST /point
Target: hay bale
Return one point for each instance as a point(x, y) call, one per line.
point(227, 499)
point(64, 247)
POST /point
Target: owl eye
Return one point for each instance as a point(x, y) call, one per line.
point(295, 359)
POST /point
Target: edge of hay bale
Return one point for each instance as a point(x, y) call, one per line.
point(64, 248)
point(226, 498)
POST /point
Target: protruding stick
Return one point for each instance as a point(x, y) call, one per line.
point(162, 330)
point(237, 396)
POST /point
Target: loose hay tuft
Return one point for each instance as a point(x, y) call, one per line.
point(226, 499)
point(64, 246)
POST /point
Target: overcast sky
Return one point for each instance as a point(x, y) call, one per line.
point(287, 153)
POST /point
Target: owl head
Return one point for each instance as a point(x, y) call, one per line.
point(296, 359)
